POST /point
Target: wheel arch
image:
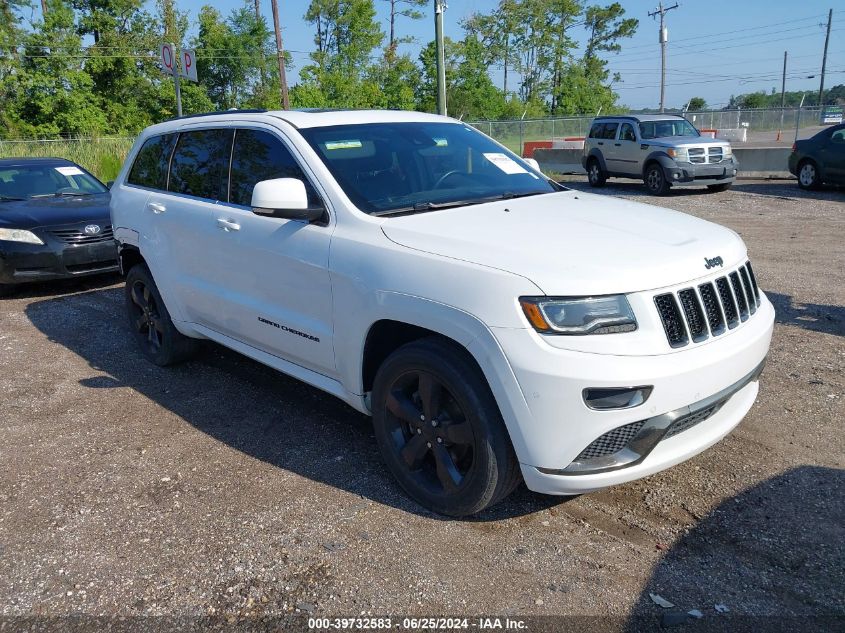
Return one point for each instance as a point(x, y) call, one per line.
point(661, 158)
point(596, 153)
point(128, 256)
point(411, 318)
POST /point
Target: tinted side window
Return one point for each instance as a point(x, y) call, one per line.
point(200, 165)
point(597, 130)
point(260, 156)
point(610, 130)
point(627, 133)
point(150, 166)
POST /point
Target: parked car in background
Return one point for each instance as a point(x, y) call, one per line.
point(819, 159)
point(665, 150)
point(497, 326)
point(54, 222)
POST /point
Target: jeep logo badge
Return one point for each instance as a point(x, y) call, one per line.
point(92, 229)
point(712, 263)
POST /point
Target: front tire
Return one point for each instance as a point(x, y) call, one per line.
point(150, 321)
point(719, 188)
point(808, 175)
point(655, 180)
point(440, 431)
point(595, 175)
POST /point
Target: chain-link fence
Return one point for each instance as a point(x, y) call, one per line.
point(761, 126)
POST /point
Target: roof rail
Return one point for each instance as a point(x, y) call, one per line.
point(218, 113)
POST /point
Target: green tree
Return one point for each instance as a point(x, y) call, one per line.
point(401, 9)
point(346, 37)
point(696, 104)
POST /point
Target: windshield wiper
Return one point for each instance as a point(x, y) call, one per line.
point(422, 207)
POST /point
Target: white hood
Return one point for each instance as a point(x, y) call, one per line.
point(572, 243)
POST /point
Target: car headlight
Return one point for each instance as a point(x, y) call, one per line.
point(584, 315)
point(19, 235)
point(679, 153)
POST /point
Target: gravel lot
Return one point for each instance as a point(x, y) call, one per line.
point(223, 488)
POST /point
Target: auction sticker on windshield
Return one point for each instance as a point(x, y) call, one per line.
point(506, 164)
point(69, 171)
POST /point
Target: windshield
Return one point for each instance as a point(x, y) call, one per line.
point(386, 167)
point(22, 181)
point(669, 127)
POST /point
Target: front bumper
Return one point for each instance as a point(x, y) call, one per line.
point(556, 426)
point(684, 174)
point(22, 263)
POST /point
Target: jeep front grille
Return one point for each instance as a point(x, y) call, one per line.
point(696, 314)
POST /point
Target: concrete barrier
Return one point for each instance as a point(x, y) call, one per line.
point(763, 162)
point(754, 162)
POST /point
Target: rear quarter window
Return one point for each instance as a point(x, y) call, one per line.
point(150, 166)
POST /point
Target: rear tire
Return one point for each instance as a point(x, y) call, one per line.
point(655, 180)
point(719, 188)
point(440, 431)
point(150, 321)
point(808, 175)
point(595, 175)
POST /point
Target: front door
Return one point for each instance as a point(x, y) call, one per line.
point(272, 274)
point(628, 151)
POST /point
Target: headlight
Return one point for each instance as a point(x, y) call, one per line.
point(19, 235)
point(679, 153)
point(586, 315)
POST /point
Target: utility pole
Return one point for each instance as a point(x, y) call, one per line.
point(782, 95)
point(824, 57)
point(280, 54)
point(439, 8)
point(664, 38)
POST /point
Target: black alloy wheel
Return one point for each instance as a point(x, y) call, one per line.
point(150, 321)
point(430, 431)
point(439, 429)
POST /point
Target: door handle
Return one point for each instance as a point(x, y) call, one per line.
point(618, 144)
point(157, 208)
point(600, 143)
point(228, 225)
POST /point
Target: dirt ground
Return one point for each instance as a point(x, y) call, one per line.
point(222, 488)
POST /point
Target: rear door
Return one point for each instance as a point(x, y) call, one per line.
point(181, 221)
point(607, 144)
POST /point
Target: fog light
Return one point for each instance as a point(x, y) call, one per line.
point(603, 399)
point(676, 175)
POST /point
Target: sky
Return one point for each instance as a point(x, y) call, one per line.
point(717, 48)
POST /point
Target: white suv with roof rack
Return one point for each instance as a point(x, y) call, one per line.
point(497, 326)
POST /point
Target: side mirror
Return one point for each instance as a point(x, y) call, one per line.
point(284, 198)
point(533, 162)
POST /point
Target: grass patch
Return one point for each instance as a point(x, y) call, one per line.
point(103, 157)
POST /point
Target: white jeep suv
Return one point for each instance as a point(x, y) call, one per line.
point(497, 326)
